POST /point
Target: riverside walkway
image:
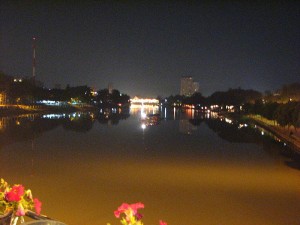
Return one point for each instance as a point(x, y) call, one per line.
point(289, 135)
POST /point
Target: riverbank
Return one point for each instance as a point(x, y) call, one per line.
point(289, 135)
point(8, 110)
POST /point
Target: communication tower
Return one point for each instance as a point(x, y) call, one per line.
point(33, 58)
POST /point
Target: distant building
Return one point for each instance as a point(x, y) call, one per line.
point(188, 86)
point(196, 86)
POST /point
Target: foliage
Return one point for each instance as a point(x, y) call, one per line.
point(286, 114)
point(195, 99)
point(234, 97)
point(21, 92)
point(288, 92)
point(17, 199)
point(174, 100)
point(80, 93)
point(113, 98)
point(4, 81)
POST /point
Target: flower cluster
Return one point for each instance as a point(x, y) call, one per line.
point(132, 217)
point(17, 199)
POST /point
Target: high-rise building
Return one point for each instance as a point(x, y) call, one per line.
point(188, 86)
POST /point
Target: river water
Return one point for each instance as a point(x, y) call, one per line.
point(189, 169)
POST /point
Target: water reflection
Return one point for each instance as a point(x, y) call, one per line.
point(232, 132)
point(80, 122)
point(27, 127)
point(224, 179)
point(112, 116)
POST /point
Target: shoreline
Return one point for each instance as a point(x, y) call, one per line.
point(290, 136)
point(287, 135)
point(15, 110)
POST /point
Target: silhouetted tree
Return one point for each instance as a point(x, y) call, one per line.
point(234, 97)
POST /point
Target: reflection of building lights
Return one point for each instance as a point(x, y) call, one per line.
point(262, 133)
point(143, 115)
point(165, 113)
point(54, 116)
point(143, 126)
point(49, 102)
point(1, 125)
point(18, 122)
point(133, 106)
point(174, 113)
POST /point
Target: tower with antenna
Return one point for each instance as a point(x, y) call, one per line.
point(33, 58)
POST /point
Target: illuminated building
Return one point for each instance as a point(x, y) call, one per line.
point(188, 86)
point(139, 102)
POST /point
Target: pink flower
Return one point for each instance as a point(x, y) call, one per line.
point(129, 210)
point(162, 223)
point(20, 210)
point(138, 216)
point(37, 206)
point(121, 209)
point(136, 206)
point(15, 194)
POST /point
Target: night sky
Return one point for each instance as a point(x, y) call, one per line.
point(144, 47)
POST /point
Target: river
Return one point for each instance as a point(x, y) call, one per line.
point(189, 169)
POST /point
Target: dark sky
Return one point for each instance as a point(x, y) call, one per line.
point(143, 48)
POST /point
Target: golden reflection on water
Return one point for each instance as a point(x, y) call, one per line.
point(87, 191)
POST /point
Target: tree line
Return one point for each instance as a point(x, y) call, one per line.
point(284, 114)
point(282, 106)
point(235, 97)
point(29, 91)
